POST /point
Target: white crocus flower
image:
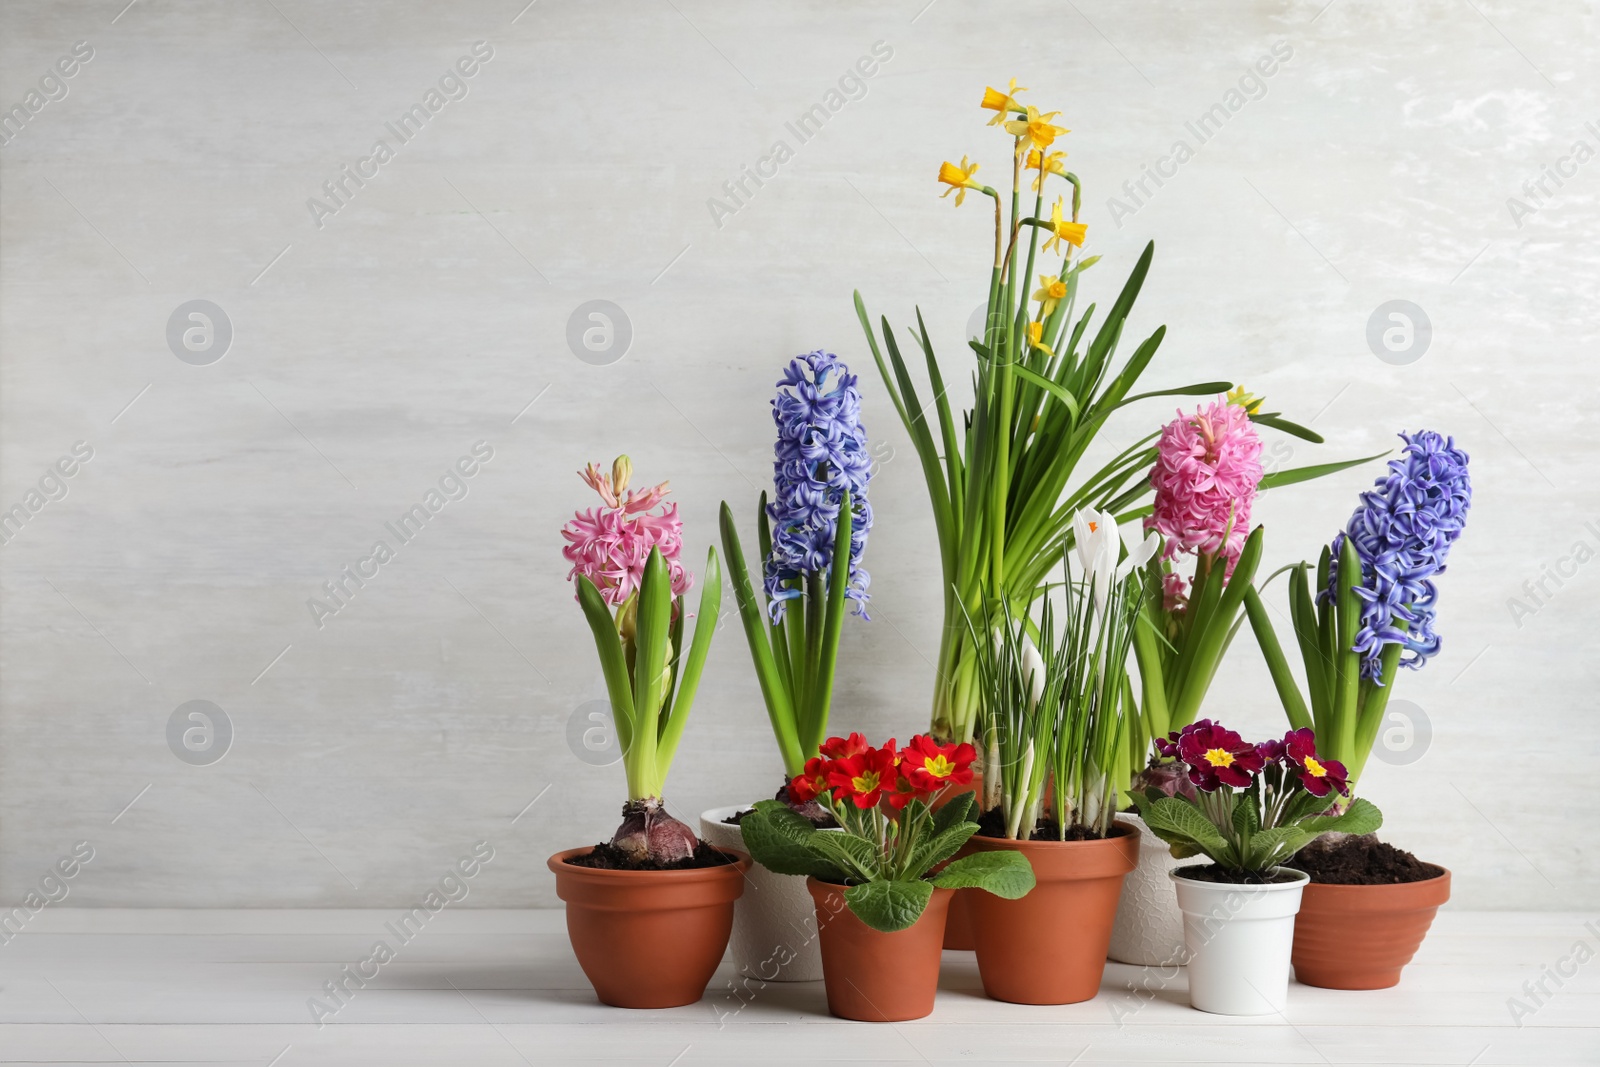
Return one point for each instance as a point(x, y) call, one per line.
point(1098, 542)
point(1033, 664)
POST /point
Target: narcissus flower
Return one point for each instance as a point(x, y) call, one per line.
point(1062, 230)
point(1002, 104)
point(959, 179)
point(1319, 776)
point(1036, 338)
point(864, 779)
point(1239, 396)
point(1045, 163)
point(930, 766)
point(1052, 290)
point(1036, 129)
point(1217, 756)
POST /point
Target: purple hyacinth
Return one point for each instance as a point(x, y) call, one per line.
point(1402, 531)
point(821, 451)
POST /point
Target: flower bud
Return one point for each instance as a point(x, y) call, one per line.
point(621, 471)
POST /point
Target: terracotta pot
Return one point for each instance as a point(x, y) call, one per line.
point(872, 976)
point(958, 928)
point(649, 939)
point(1149, 927)
point(774, 925)
point(1049, 947)
point(1360, 936)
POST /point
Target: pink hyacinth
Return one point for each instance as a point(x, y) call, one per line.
point(1207, 467)
point(610, 545)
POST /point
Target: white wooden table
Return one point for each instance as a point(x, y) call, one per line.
point(492, 988)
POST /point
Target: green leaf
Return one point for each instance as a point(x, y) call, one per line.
point(938, 848)
point(1177, 821)
point(780, 840)
point(1292, 428)
point(1271, 847)
point(613, 664)
point(1197, 389)
point(957, 809)
point(850, 852)
point(1005, 874)
point(1060, 392)
point(1246, 819)
point(1294, 704)
point(889, 906)
point(1361, 817)
point(774, 693)
point(1306, 474)
point(689, 669)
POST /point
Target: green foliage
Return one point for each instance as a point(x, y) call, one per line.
point(651, 683)
point(795, 659)
point(888, 884)
point(1253, 829)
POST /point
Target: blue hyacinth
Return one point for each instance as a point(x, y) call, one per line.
point(1402, 532)
point(821, 451)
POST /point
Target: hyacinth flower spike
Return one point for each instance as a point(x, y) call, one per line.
point(813, 533)
point(1376, 600)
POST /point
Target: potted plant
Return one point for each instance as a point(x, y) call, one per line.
point(648, 912)
point(1002, 476)
point(1369, 904)
point(1050, 719)
point(998, 476)
point(1205, 477)
point(812, 536)
point(881, 884)
point(1253, 807)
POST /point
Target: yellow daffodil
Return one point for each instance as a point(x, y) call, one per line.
point(1036, 129)
point(959, 179)
point(1061, 230)
point(1045, 163)
point(1036, 338)
point(1051, 291)
point(1243, 398)
point(1002, 104)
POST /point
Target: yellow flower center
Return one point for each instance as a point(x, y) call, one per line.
point(938, 766)
point(1316, 768)
point(1219, 757)
point(866, 783)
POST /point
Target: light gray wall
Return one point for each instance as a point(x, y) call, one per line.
point(429, 312)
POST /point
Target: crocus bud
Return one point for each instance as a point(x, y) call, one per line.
point(621, 471)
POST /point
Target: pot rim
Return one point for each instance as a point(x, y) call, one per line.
point(1438, 880)
point(811, 878)
point(1119, 830)
point(1177, 874)
point(741, 863)
point(716, 815)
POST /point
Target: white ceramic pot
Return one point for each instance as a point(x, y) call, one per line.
point(1149, 927)
point(775, 922)
point(1238, 939)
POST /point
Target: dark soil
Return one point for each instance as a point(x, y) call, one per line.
point(1360, 861)
point(992, 823)
point(1210, 872)
point(608, 857)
